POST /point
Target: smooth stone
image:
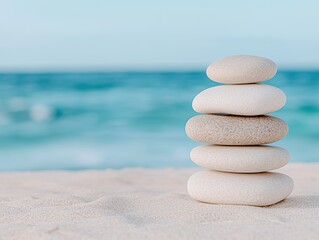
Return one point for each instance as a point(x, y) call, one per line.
point(241, 69)
point(256, 189)
point(245, 100)
point(240, 159)
point(236, 130)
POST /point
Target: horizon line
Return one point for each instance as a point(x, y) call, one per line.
point(155, 70)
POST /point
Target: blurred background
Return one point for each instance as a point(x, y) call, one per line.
point(98, 84)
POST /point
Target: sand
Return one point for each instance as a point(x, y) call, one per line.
point(147, 204)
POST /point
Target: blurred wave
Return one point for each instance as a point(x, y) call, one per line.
point(99, 120)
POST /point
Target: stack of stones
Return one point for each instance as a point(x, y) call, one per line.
point(235, 126)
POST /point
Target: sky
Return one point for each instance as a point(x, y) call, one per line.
point(60, 35)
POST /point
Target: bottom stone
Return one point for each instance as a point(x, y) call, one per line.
point(257, 189)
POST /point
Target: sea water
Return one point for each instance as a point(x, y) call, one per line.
point(115, 120)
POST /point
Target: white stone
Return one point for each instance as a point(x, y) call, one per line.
point(240, 159)
point(245, 100)
point(241, 69)
point(256, 189)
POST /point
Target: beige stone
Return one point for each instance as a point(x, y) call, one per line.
point(236, 130)
point(241, 69)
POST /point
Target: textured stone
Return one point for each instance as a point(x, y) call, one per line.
point(241, 69)
point(236, 130)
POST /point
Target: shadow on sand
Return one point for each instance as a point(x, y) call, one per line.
point(303, 202)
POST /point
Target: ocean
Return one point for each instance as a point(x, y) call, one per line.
point(72, 121)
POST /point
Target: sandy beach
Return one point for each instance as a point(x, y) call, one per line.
point(147, 204)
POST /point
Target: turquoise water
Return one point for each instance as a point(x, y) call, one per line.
point(100, 120)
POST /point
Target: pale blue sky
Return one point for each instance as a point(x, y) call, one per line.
point(136, 35)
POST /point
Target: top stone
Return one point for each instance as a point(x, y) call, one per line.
point(241, 69)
